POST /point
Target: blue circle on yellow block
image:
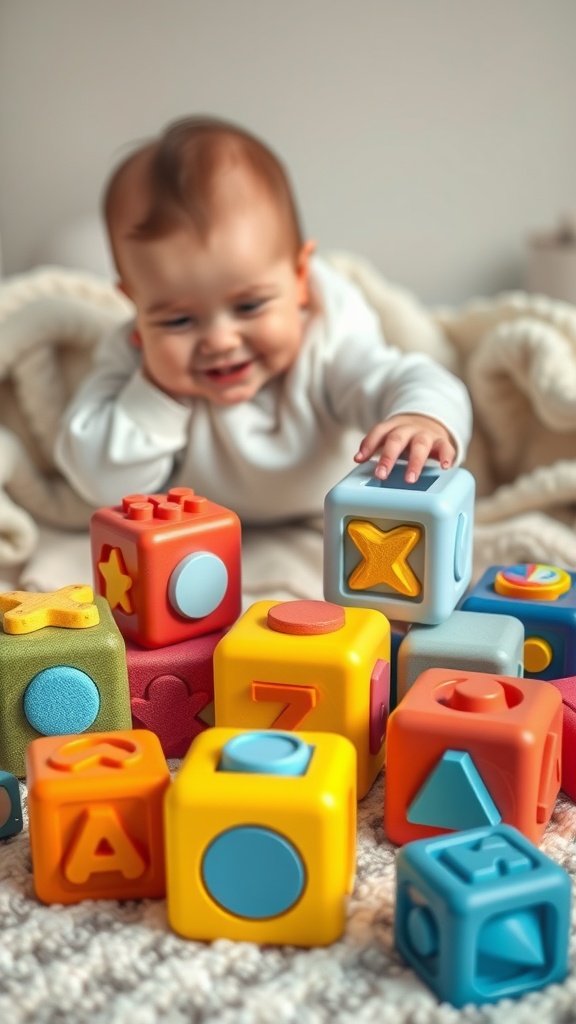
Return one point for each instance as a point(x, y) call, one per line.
point(253, 872)
point(266, 753)
point(61, 700)
point(198, 584)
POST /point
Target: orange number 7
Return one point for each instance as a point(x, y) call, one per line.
point(298, 700)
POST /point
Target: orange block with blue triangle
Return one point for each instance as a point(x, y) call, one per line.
point(469, 749)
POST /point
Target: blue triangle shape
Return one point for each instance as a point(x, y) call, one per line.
point(453, 796)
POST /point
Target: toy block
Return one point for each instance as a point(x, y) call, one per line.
point(169, 565)
point(543, 597)
point(273, 669)
point(469, 641)
point(567, 690)
point(10, 806)
point(261, 837)
point(59, 680)
point(172, 690)
point(511, 730)
point(96, 816)
point(403, 548)
point(482, 915)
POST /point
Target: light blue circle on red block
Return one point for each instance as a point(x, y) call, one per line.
point(61, 700)
point(198, 584)
point(266, 753)
point(253, 872)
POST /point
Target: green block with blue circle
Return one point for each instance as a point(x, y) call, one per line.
point(543, 597)
point(61, 681)
point(10, 806)
point(424, 582)
point(482, 915)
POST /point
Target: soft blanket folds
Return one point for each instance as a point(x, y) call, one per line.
point(516, 353)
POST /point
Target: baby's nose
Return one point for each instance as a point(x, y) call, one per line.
point(219, 338)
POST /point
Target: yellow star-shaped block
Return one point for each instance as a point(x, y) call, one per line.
point(384, 557)
point(72, 607)
point(117, 580)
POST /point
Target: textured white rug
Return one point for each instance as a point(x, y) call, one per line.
point(119, 963)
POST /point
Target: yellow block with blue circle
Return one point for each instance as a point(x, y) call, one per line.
point(261, 837)
point(543, 597)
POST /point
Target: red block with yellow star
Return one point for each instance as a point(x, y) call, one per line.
point(468, 749)
point(308, 665)
point(96, 816)
point(403, 548)
point(172, 690)
point(169, 565)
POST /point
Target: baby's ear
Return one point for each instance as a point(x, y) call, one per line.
point(303, 271)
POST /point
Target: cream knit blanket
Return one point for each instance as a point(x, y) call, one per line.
point(516, 353)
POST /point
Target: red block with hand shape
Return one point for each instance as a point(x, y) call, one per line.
point(172, 690)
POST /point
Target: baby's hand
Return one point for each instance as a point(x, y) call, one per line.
point(418, 437)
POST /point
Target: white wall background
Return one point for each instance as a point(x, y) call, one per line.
point(430, 135)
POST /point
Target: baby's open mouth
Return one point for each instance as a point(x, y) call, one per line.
point(226, 372)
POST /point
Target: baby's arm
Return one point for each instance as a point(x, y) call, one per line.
point(404, 403)
point(121, 434)
point(417, 437)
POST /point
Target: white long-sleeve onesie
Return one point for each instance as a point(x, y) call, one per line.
point(270, 459)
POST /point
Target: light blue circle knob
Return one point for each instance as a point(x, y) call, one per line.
point(253, 872)
point(266, 753)
point(198, 584)
point(61, 700)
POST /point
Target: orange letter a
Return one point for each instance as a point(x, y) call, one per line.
point(101, 844)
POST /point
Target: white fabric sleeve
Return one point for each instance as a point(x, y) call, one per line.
point(120, 434)
point(366, 381)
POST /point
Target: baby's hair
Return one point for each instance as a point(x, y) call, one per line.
point(183, 167)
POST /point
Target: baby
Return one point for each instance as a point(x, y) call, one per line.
point(249, 361)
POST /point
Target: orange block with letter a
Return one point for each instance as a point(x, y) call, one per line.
point(462, 743)
point(96, 816)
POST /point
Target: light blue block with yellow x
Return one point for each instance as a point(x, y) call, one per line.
point(405, 549)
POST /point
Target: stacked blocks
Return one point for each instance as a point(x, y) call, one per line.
point(169, 565)
point(172, 690)
point(260, 837)
point(543, 597)
point(59, 679)
point(10, 806)
point(466, 749)
point(567, 691)
point(482, 915)
point(403, 548)
point(308, 665)
point(469, 641)
point(96, 816)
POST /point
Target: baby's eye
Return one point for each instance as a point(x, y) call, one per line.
point(178, 323)
point(248, 307)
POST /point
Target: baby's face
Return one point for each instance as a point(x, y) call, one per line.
point(218, 318)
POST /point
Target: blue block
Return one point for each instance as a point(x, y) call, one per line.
point(482, 915)
point(467, 641)
point(548, 624)
point(10, 806)
point(420, 582)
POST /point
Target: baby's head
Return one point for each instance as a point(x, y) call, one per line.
point(207, 244)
